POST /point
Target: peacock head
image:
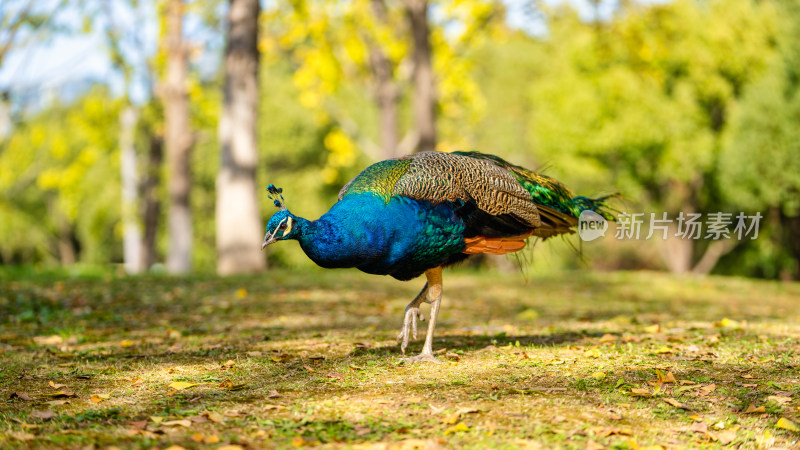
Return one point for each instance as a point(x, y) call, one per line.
point(281, 225)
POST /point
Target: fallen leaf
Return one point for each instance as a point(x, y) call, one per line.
point(640, 392)
point(675, 403)
point(157, 419)
point(57, 402)
point(726, 437)
point(56, 386)
point(665, 377)
point(48, 340)
point(608, 338)
point(175, 447)
point(779, 399)
point(748, 376)
point(598, 375)
point(97, 398)
point(615, 431)
point(652, 329)
point(180, 385)
point(686, 382)
point(214, 416)
point(139, 425)
point(271, 407)
point(751, 409)
point(787, 424)
point(309, 369)
point(664, 350)
point(255, 353)
point(211, 439)
point(21, 436)
point(456, 428)
point(709, 388)
point(699, 427)
point(178, 423)
point(593, 353)
point(228, 364)
point(21, 396)
point(43, 415)
point(337, 376)
point(728, 323)
point(592, 445)
point(274, 394)
point(451, 419)
point(126, 343)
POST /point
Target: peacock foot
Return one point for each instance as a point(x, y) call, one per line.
point(422, 357)
point(409, 326)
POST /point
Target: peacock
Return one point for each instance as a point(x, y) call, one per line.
point(419, 213)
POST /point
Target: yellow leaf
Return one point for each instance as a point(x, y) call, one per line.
point(787, 424)
point(675, 403)
point(241, 293)
point(608, 338)
point(156, 419)
point(457, 428)
point(640, 392)
point(175, 423)
point(653, 329)
point(451, 419)
point(97, 398)
point(665, 377)
point(126, 343)
point(728, 323)
point(664, 350)
point(592, 353)
point(753, 410)
point(180, 385)
point(214, 416)
point(56, 386)
point(211, 439)
point(599, 375)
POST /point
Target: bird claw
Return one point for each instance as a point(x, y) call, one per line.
point(422, 357)
point(409, 326)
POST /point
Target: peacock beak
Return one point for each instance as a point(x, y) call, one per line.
point(268, 239)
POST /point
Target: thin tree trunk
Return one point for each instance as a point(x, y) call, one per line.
point(386, 92)
point(178, 143)
point(151, 206)
point(238, 219)
point(131, 231)
point(424, 88)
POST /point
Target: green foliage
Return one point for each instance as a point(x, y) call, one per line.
point(59, 182)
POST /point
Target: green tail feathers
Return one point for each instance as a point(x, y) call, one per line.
point(549, 192)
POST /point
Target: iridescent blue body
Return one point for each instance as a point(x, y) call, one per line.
point(401, 238)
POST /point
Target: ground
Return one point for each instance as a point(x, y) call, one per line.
point(283, 359)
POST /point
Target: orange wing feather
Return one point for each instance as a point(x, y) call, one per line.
point(495, 245)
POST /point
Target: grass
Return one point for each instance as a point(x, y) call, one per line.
point(580, 360)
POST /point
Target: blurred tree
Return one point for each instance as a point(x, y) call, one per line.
point(424, 85)
point(759, 165)
point(178, 139)
point(57, 199)
point(238, 218)
point(643, 99)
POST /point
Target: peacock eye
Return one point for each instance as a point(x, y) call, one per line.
point(282, 226)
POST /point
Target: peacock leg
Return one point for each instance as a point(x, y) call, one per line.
point(410, 319)
point(434, 296)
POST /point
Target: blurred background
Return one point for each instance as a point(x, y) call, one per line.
point(140, 134)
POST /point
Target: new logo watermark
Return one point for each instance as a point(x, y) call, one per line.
point(717, 225)
point(591, 225)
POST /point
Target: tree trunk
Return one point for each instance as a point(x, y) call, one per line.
point(239, 231)
point(178, 143)
point(386, 92)
point(151, 206)
point(424, 88)
point(131, 231)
